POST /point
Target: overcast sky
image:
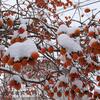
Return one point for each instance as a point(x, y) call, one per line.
point(94, 6)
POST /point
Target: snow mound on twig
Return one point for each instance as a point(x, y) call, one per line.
point(20, 50)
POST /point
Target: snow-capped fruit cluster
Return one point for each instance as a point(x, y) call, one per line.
point(17, 39)
point(66, 42)
point(15, 82)
point(94, 46)
point(20, 35)
point(26, 53)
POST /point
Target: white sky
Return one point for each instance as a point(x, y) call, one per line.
point(95, 7)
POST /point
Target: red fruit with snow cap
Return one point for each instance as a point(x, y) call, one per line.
point(15, 84)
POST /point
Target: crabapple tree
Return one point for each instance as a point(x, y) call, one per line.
point(45, 53)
